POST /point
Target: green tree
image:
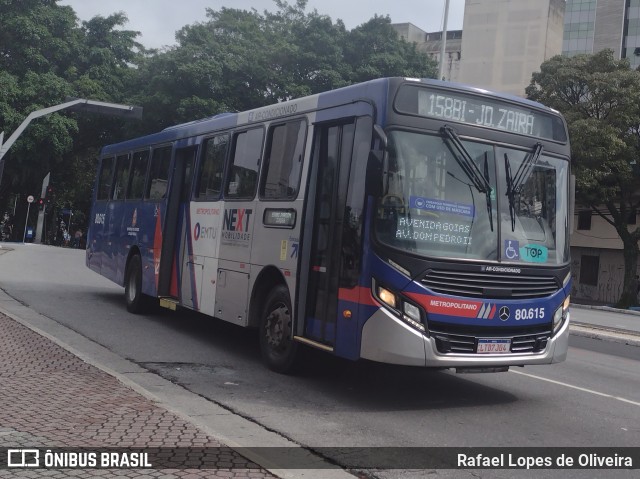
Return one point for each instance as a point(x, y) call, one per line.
point(600, 98)
point(374, 50)
point(238, 60)
point(45, 57)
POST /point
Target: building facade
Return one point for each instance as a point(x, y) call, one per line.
point(431, 44)
point(594, 25)
point(501, 44)
point(505, 41)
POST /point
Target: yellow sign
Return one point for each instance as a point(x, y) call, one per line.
point(283, 250)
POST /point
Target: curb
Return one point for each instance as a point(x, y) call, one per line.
point(603, 333)
point(609, 309)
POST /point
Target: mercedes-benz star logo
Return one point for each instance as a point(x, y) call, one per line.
point(504, 313)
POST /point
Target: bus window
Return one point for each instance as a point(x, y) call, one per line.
point(159, 174)
point(283, 161)
point(104, 180)
point(138, 174)
point(210, 182)
point(241, 183)
point(122, 177)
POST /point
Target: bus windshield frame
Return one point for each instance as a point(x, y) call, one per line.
point(433, 207)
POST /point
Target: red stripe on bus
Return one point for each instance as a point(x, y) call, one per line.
point(446, 306)
point(359, 294)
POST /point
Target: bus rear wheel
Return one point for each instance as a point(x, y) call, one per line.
point(279, 350)
point(136, 301)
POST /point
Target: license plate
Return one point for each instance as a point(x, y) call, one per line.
point(494, 346)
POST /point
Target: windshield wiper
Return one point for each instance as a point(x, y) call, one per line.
point(510, 192)
point(514, 183)
point(465, 161)
point(462, 156)
point(488, 193)
point(527, 166)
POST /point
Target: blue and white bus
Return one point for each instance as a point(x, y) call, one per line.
point(406, 221)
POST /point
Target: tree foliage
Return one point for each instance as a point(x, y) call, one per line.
point(600, 98)
point(239, 59)
point(45, 57)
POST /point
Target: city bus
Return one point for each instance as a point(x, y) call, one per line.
point(405, 221)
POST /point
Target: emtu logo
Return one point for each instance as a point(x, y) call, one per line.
point(196, 231)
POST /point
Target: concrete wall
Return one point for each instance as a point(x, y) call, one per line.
point(603, 241)
point(505, 41)
point(610, 275)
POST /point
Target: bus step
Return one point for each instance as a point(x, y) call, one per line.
point(169, 303)
point(315, 344)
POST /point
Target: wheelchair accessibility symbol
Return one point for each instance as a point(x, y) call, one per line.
point(511, 249)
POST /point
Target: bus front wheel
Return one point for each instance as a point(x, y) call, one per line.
point(136, 301)
point(279, 350)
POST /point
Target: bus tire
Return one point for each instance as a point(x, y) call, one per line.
point(279, 350)
point(136, 302)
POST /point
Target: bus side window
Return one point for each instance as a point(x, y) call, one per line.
point(123, 165)
point(242, 180)
point(139, 166)
point(212, 167)
point(159, 173)
point(105, 178)
point(283, 161)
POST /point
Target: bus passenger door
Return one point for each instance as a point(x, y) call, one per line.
point(176, 268)
point(324, 217)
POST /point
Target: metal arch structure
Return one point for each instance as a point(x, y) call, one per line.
point(77, 104)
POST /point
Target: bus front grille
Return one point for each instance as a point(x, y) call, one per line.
point(451, 339)
point(490, 285)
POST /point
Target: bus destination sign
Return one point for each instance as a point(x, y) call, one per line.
point(479, 110)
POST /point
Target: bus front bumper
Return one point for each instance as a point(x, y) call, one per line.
point(387, 339)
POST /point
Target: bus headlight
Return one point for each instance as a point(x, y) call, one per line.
point(408, 312)
point(561, 314)
point(387, 297)
point(412, 316)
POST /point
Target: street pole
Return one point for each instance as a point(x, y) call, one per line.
point(41, 214)
point(443, 45)
point(69, 227)
point(26, 220)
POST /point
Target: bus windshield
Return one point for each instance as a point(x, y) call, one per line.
point(499, 204)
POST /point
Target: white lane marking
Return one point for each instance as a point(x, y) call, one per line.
point(590, 391)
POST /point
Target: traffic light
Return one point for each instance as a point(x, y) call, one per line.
point(48, 196)
point(41, 203)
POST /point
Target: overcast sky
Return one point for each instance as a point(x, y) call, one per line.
point(158, 20)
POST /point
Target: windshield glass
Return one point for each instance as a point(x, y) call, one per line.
point(534, 226)
point(435, 205)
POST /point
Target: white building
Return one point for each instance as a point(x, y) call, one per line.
point(505, 41)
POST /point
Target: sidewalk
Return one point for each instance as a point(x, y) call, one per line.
point(60, 389)
point(52, 399)
point(622, 328)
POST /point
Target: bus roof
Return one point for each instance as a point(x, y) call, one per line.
point(373, 89)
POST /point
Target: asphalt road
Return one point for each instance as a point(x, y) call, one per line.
point(592, 399)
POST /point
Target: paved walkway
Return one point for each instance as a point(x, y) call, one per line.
point(51, 398)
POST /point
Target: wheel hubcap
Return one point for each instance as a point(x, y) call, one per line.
point(277, 327)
